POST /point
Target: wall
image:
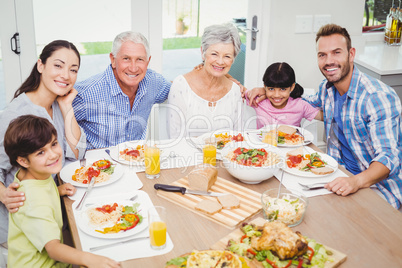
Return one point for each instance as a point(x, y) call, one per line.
point(299, 49)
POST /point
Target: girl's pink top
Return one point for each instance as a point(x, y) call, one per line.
point(292, 114)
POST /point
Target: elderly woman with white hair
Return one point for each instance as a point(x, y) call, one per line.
point(207, 100)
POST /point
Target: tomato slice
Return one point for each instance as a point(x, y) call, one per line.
point(134, 153)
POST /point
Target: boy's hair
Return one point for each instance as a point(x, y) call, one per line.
point(330, 29)
point(25, 135)
point(282, 75)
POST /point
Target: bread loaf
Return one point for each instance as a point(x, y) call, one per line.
point(208, 206)
point(202, 178)
point(229, 201)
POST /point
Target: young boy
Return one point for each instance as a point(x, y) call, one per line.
point(35, 237)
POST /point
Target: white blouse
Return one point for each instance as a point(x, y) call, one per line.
point(191, 115)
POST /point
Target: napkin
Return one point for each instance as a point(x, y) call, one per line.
point(127, 251)
point(291, 182)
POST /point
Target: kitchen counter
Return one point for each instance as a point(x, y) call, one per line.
point(383, 62)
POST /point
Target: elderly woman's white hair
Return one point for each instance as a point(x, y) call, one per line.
point(134, 37)
point(220, 33)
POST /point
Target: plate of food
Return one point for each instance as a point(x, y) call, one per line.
point(104, 171)
point(222, 138)
point(129, 153)
point(111, 220)
point(207, 258)
point(285, 135)
point(301, 162)
point(273, 244)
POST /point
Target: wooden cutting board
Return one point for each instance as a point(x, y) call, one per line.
point(338, 257)
point(250, 201)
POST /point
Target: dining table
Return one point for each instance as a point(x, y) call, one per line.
point(363, 226)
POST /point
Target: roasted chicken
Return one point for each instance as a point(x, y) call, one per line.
point(281, 240)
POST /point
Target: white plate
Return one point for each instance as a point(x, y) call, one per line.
point(115, 152)
point(331, 162)
point(82, 220)
point(200, 140)
point(68, 171)
point(308, 136)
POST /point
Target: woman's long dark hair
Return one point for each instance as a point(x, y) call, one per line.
point(33, 80)
point(281, 74)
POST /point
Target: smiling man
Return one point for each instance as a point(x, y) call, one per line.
point(113, 107)
point(362, 118)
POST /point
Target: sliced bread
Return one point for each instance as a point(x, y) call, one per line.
point(295, 152)
point(209, 207)
point(229, 201)
point(322, 170)
point(202, 178)
point(287, 129)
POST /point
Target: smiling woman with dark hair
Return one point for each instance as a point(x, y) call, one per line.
point(206, 100)
point(47, 92)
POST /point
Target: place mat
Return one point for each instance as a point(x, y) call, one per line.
point(127, 251)
point(338, 257)
point(250, 201)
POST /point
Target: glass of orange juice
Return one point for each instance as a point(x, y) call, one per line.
point(152, 162)
point(157, 227)
point(209, 151)
point(270, 136)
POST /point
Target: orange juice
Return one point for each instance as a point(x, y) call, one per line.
point(152, 162)
point(270, 138)
point(157, 233)
point(209, 152)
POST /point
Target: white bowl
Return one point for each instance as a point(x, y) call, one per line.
point(250, 174)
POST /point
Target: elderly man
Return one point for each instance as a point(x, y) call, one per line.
point(362, 118)
point(113, 107)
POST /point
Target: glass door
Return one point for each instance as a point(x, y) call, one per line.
point(91, 25)
point(184, 22)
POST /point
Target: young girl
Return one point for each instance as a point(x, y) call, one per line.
point(283, 103)
point(35, 237)
point(47, 92)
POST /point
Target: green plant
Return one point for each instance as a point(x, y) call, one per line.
point(179, 43)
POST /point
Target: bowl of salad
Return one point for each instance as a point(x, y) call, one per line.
point(250, 164)
point(288, 208)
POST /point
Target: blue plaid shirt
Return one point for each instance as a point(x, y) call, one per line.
point(371, 117)
point(103, 110)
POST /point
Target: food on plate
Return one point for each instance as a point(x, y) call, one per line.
point(253, 157)
point(288, 130)
point(307, 162)
point(203, 177)
point(209, 207)
point(133, 153)
point(113, 218)
point(279, 238)
point(285, 135)
point(100, 170)
point(322, 170)
point(208, 259)
point(276, 245)
point(229, 201)
point(223, 138)
point(286, 209)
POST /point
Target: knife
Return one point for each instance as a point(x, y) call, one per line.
point(91, 184)
point(184, 190)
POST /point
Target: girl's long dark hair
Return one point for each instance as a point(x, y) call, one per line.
point(33, 80)
point(281, 74)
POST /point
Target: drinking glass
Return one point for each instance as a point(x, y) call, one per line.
point(270, 135)
point(152, 162)
point(209, 151)
point(157, 227)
